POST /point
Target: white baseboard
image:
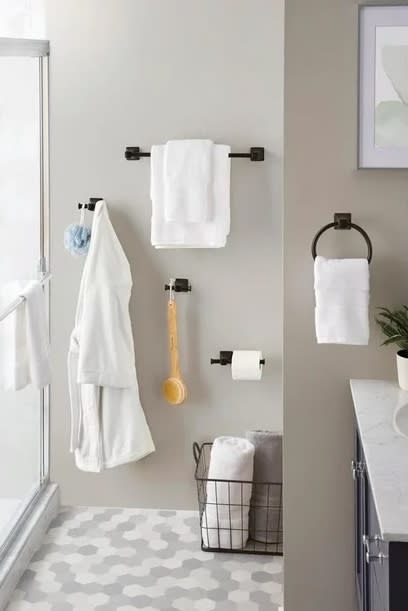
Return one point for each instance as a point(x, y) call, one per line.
point(27, 542)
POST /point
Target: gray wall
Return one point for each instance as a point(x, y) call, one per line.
point(139, 73)
point(320, 179)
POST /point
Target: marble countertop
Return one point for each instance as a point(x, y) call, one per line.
point(386, 452)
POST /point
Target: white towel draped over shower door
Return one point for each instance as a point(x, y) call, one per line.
point(24, 338)
point(108, 425)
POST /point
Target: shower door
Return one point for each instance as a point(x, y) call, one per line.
point(23, 257)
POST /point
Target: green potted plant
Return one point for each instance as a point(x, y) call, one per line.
point(394, 325)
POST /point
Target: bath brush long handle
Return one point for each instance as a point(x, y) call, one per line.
point(173, 345)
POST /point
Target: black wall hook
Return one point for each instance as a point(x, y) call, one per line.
point(226, 358)
point(91, 204)
point(180, 285)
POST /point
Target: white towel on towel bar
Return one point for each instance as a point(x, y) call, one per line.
point(342, 298)
point(225, 521)
point(25, 340)
point(212, 234)
point(188, 181)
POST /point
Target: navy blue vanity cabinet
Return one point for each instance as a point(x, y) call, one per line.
point(381, 567)
point(360, 521)
point(376, 558)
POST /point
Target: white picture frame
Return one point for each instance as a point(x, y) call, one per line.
point(383, 92)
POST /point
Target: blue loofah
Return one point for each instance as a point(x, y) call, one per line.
point(77, 239)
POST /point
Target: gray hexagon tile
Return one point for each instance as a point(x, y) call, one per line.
point(104, 559)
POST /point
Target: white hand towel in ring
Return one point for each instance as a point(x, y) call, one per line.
point(342, 297)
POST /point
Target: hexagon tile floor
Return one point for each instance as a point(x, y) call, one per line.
point(95, 558)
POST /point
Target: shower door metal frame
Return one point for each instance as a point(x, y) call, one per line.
point(44, 245)
point(17, 47)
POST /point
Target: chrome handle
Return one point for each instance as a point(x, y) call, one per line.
point(367, 540)
point(380, 556)
point(357, 469)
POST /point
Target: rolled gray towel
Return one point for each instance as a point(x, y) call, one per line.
point(265, 516)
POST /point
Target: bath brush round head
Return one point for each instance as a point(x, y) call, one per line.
point(174, 391)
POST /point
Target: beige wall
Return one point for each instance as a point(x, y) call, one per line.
point(138, 73)
point(320, 179)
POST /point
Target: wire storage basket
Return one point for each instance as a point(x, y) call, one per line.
point(230, 522)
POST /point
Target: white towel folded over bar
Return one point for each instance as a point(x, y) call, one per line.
point(188, 181)
point(208, 234)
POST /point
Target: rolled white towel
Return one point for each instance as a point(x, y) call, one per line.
point(225, 516)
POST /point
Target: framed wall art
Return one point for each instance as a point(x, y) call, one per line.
point(383, 87)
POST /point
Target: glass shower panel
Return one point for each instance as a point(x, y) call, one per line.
point(20, 250)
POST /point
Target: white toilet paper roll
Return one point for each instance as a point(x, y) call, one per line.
point(246, 365)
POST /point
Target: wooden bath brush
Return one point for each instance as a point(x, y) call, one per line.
point(174, 389)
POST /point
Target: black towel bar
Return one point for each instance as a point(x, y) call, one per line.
point(256, 153)
point(342, 220)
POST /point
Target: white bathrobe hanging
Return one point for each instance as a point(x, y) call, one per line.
point(108, 426)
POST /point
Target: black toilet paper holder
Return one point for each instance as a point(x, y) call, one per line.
point(226, 358)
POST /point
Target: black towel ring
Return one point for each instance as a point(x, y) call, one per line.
point(342, 220)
